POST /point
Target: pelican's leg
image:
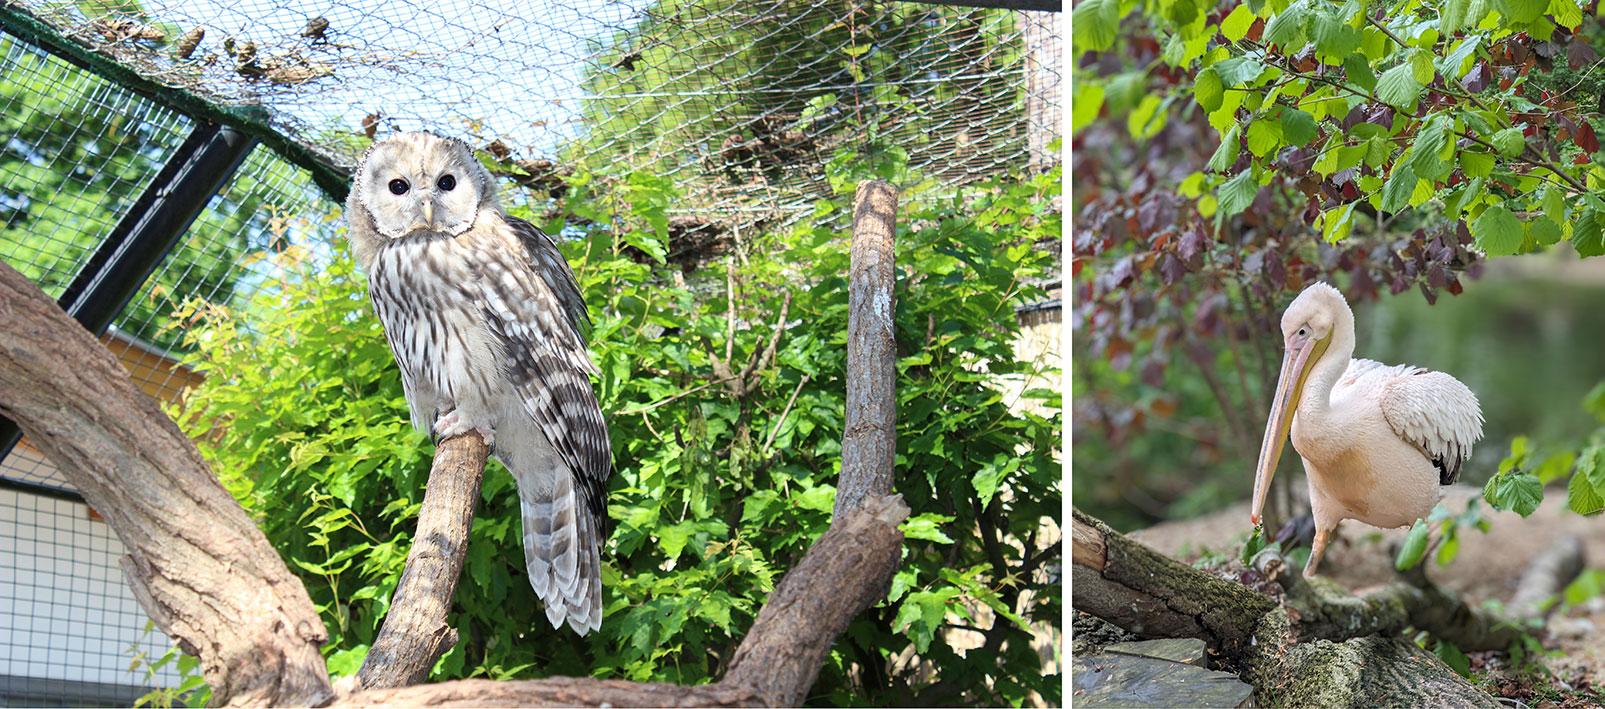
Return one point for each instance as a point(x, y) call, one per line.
point(1322, 536)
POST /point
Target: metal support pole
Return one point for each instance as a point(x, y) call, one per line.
point(147, 233)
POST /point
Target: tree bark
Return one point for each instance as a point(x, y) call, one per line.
point(869, 446)
point(846, 571)
point(415, 633)
point(196, 562)
point(1322, 646)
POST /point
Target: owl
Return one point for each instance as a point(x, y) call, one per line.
point(488, 326)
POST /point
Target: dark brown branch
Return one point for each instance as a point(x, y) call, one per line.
point(415, 633)
point(196, 562)
point(869, 446)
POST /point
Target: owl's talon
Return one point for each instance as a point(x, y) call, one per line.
point(451, 424)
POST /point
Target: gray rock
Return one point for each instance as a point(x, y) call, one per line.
point(1120, 680)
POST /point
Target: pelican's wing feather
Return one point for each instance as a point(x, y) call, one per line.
point(1431, 410)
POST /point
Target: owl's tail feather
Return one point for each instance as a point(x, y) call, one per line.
point(561, 556)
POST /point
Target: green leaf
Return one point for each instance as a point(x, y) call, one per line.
point(1264, 136)
point(1454, 16)
point(1414, 549)
point(1522, 11)
point(1094, 25)
point(1088, 102)
point(1476, 164)
point(1237, 193)
point(1148, 118)
point(1256, 542)
point(1239, 70)
point(1336, 223)
point(1544, 231)
point(1226, 155)
point(1397, 190)
point(1497, 231)
point(1582, 497)
point(1429, 142)
point(1286, 28)
point(1518, 492)
point(927, 527)
point(1398, 87)
point(1509, 142)
point(1421, 68)
point(1594, 402)
point(346, 662)
point(1298, 127)
point(1236, 24)
point(1359, 71)
point(1566, 13)
point(1208, 89)
point(1454, 658)
point(1334, 38)
point(1587, 236)
point(1449, 547)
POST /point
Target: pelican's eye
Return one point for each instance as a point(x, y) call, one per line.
point(1303, 331)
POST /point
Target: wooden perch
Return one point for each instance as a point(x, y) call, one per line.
point(869, 447)
point(196, 562)
point(210, 580)
point(1323, 646)
point(415, 633)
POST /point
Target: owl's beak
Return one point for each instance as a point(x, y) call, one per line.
point(429, 213)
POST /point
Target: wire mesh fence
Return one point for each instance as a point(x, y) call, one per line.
point(741, 104)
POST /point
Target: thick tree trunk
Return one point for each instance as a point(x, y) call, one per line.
point(415, 633)
point(196, 562)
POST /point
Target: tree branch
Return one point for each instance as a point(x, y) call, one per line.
point(415, 633)
point(196, 562)
point(869, 446)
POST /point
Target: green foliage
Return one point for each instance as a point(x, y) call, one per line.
point(1441, 98)
point(1414, 548)
point(717, 490)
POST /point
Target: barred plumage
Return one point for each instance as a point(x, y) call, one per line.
point(488, 327)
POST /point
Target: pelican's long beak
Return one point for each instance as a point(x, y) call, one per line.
point(429, 213)
point(1302, 352)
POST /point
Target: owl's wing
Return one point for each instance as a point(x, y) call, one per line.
point(543, 355)
point(547, 262)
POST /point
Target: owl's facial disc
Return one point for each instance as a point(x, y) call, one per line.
point(419, 183)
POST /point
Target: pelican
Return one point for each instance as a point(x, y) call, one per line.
point(1377, 441)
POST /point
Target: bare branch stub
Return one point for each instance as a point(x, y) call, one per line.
point(869, 446)
point(196, 562)
point(415, 633)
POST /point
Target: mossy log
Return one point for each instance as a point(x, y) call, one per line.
point(1321, 647)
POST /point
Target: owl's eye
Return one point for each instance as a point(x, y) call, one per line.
point(399, 186)
point(446, 182)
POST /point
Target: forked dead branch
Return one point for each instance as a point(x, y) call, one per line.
point(211, 581)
